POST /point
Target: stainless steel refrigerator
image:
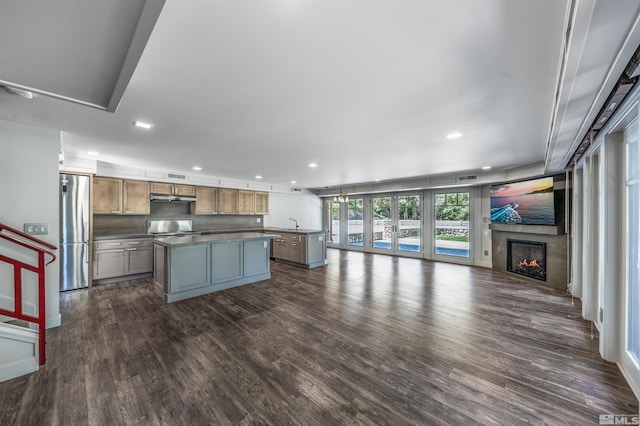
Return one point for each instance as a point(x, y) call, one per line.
point(74, 232)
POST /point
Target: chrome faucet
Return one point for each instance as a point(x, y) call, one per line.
point(295, 222)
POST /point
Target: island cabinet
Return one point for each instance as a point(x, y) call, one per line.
point(119, 259)
point(195, 265)
point(163, 188)
point(301, 248)
point(120, 196)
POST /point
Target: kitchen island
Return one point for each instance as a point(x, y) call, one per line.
point(189, 266)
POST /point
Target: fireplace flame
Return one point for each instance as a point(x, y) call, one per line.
point(534, 262)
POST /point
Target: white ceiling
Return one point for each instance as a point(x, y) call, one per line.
point(368, 89)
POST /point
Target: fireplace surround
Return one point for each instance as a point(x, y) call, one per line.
point(555, 241)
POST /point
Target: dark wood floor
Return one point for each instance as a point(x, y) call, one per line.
point(369, 339)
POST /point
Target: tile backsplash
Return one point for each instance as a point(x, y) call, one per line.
point(104, 225)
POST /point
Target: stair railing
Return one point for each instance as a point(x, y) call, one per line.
point(25, 240)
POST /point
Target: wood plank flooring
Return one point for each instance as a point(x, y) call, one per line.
point(369, 339)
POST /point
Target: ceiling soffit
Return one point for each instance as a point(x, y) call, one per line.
point(83, 52)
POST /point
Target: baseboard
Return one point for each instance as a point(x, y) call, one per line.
point(632, 384)
point(15, 338)
point(18, 368)
point(54, 322)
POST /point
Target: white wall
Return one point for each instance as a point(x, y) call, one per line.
point(306, 209)
point(29, 188)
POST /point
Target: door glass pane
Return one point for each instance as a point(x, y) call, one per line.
point(633, 254)
point(356, 210)
point(382, 225)
point(335, 222)
point(452, 224)
point(409, 223)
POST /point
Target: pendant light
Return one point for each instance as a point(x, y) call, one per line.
point(341, 197)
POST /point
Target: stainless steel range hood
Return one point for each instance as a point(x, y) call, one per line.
point(173, 198)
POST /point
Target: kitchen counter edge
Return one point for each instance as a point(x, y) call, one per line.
point(212, 238)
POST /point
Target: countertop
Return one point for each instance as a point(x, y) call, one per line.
point(295, 231)
point(201, 239)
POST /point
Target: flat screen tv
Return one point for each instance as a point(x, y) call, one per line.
point(529, 202)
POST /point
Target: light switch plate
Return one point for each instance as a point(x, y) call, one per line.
point(36, 228)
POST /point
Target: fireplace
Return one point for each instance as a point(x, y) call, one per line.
point(528, 258)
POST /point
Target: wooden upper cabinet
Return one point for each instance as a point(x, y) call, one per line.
point(107, 195)
point(228, 201)
point(118, 196)
point(262, 203)
point(246, 202)
point(186, 190)
point(162, 188)
point(135, 197)
point(253, 202)
point(207, 200)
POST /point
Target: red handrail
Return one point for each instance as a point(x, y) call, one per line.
point(18, 266)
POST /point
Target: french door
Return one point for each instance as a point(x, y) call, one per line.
point(396, 224)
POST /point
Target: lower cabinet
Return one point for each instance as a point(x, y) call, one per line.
point(189, 267)
point(189, 270)
point(227, 261)
point(122, 258)
point(308, 250)
point(256, 258)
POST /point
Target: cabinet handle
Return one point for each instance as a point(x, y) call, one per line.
point(129, 211)
point(134, 242)
point(114, 244)
point(115, 211)
point(132, 249)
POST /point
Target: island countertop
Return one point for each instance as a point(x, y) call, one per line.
point(198, 239)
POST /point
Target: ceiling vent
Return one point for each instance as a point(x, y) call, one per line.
point(176, 176)
point(469, 177)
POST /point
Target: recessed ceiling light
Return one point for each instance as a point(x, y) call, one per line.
point(486, 167)
point(258, 177)
point(313, 165)
point(93, 153)
point(294, 181)
point(454, 135)
point(197, 168)
point(376, 180)
point(142, 124)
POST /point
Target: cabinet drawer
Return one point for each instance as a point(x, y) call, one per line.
point(123, 244)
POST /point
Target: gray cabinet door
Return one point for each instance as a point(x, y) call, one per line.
point(227, 261)
point(256, 257)
point(108, 263)
point(190, 266)
point(281, 249)
point(138, 260)
point(316, 249)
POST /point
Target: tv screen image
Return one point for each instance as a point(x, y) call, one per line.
point(528, 202)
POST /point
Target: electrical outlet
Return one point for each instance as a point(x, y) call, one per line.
point(36, 228)
point(486, 252)
point(258, 219)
